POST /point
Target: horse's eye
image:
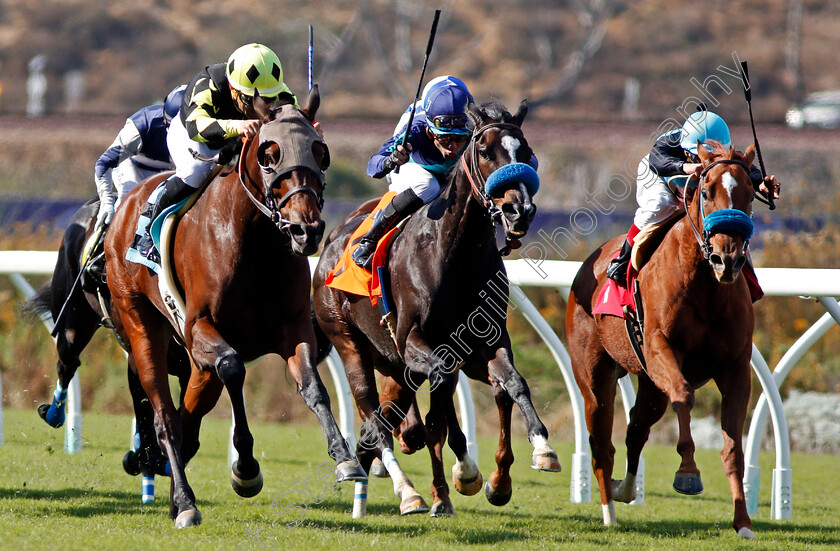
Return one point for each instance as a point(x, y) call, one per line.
point(704, 194)
point(484, 154)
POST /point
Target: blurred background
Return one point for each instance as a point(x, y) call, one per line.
point(603, 79)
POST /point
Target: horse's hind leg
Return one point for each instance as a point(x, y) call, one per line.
point(735, 390)
point(650, 406)
point(211, 352)
point(79, 324)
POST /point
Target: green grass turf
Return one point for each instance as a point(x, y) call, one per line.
point(51, 500)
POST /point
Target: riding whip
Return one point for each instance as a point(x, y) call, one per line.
point(420, 84)
point(99, 231)
point(311, 51)
point(745, 77)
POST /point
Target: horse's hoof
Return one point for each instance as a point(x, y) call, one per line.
point(378, 470)
point(442, 509)
point(546, 462)
point(54, 419)
point(496, 498)
point(413, 505)
point(190, 517)
point(350, 470)
point(746, 533)
point(468, 487)
point(245, 487)
point(131, 463)
point(688, 484)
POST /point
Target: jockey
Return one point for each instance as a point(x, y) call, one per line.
point(139, 151)
point(675, 154)
point(218, 106)
point(439, 134)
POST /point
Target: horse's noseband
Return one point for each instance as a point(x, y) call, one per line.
point(722, 220)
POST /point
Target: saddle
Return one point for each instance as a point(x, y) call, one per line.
point(347, 276)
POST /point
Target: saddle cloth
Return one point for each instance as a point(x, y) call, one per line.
point(347, 275)
point(143, 221)
point(612, 298)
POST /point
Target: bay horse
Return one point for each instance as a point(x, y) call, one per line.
point(72, 299)
point(239, 260)
point(449, 291)
point(698, 326)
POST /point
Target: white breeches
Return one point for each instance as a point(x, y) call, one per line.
point(192, 171)
point(655, 199)
point(414, 176)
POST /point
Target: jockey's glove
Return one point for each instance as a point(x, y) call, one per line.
point(394, 160)
point(106, 201)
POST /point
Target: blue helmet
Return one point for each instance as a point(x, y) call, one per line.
point(173, 102)
point(445, 107)
point(703, 126)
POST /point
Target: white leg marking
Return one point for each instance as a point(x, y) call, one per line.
point(609, 514)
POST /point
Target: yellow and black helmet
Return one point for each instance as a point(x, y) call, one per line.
point(256, 67)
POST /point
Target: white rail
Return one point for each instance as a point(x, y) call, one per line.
point(823, 284)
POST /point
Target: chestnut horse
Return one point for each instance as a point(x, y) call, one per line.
point(442, 270)
point(698, 326)
point(77, 295)
point(240, 263)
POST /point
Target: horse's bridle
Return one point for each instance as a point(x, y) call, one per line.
point(721, 220)
point(477, 180)
point(272, 206)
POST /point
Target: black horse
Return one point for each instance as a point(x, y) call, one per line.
point(75, 300)
point(449, 293)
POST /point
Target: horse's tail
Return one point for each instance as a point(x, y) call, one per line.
point(39, 304)
point(323, 344)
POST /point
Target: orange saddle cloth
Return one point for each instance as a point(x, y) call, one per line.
point(347, 275)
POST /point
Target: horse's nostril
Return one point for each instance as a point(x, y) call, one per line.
point(739, 262)
point(716, 260)
point(296, 230)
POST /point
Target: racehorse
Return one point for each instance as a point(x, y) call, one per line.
point(240, 263)
point(697, 326)
point(72, 298)
point(449, 292)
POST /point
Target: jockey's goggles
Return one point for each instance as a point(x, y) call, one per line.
point(249, 100)
point(450, 124)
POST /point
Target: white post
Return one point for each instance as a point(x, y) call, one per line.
point(467, 410)
point(581, 487)
point(73, 422)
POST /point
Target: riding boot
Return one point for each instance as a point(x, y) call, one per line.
point(174, 191)
point(617, 270)
point(400, 206)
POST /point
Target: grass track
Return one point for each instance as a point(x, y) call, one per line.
point(50, 500)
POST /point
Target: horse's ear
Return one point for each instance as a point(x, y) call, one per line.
point(313, 102)
point(749, 155)
point(521, 111)
point(475, 114)
point(704, 154)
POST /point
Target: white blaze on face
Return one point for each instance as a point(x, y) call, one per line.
point(729, 184)
point(511, 145)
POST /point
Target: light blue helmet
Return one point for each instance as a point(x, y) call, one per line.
point(703, 126)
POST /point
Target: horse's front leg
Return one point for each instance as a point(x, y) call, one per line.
point(664, 371)
point(503, 373)
point(735, 390)
point(211, 352)
point(301, 361)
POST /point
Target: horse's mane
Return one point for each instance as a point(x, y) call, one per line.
point(720, 151)
point(494, 109)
